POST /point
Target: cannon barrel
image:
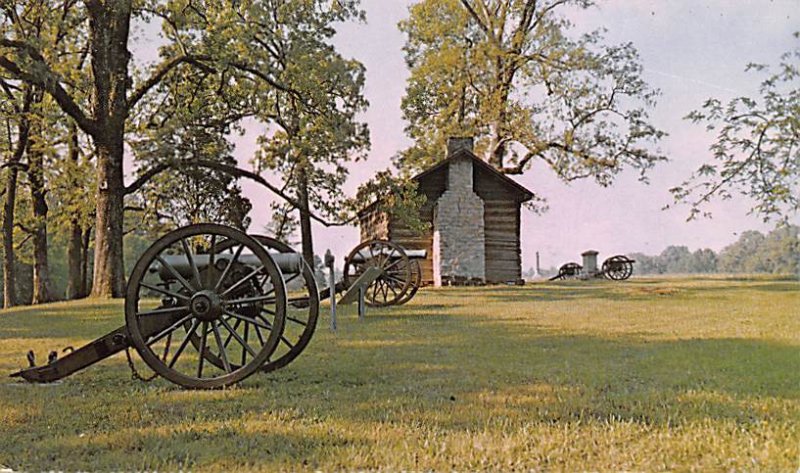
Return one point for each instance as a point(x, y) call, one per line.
point(289, 263)
point(364, 255)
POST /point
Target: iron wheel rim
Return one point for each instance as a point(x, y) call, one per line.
point(192, 288)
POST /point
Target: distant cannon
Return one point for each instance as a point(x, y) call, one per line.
point(615, 268)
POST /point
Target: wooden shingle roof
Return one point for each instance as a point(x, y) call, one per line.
point(516, 188)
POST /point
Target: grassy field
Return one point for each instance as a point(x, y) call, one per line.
point(686, 374)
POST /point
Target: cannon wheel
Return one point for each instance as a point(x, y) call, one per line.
point(393, 284)
point(618, 268)
point(569, 270)
point(199, 300)
point(302, 309)
point(416, 282)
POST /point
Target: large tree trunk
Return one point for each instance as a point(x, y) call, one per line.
point(109, 274)
point(9, 259)
point(498, 126)
point(42, 291)
point(498, 134)
point(305, 217)
point(109, 25)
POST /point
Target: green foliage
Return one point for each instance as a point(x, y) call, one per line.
point(284, 224)
point(757, 148)
point(518, 77)
point(743, 256)
point(273, 61)
point(776, 253)
point(397, 196)
point(676, 260)
point(315, 129)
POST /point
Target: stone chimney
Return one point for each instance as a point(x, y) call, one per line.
point(455, 143)
point(459, 254)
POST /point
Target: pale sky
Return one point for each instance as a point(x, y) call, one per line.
point(691, 50)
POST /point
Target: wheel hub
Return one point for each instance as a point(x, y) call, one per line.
point(206, 305)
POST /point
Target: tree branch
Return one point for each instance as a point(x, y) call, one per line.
point(48, 80)
point(475, 17)
point(158, 75)
point(231, 171)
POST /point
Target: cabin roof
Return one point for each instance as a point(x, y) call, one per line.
point(514, 186)
point(521, 191)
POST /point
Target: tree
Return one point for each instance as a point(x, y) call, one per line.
point(16, 144)
point(757, 147)
point(781, 250)
point(744, 255)
point(515, 75)
point(187, 121)
point(73, 181)
point(646, 264)
point(704, 261)
point(107, 43)
point(39, 145)
point(676, 259)
point(103, 29)
point(314, 114)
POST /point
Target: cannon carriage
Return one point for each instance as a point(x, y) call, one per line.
point(615, 268)
point(206, 306)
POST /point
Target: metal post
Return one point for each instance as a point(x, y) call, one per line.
point(329, 262)
point(362, 307)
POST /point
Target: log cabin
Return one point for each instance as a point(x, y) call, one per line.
point(474, 215)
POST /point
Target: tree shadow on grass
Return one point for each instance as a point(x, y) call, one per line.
point(66, 318)
point(469, 381)
point(406, 367)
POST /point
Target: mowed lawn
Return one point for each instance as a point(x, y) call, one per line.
point(641, 375)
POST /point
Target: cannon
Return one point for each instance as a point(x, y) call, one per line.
point(206, 306)
point(615, 268)
point(401, 273)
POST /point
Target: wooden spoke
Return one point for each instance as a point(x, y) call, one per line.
point(249, 320)
point(212, 258)
point(246, 339)
point(287, 342)
point(297, 321)
point(189, 333)
point(228, 267)
point(164, 310)
point(238, 338)
point(176, 274)
point(164, 291)
point(190, 257)
point(242, 281)
point(169, 330)
point(222, 352)
point(235, 327)
point(202, 349)
point(250, 300)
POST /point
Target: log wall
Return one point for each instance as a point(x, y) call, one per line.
point(502, 225)
point(502, 228)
